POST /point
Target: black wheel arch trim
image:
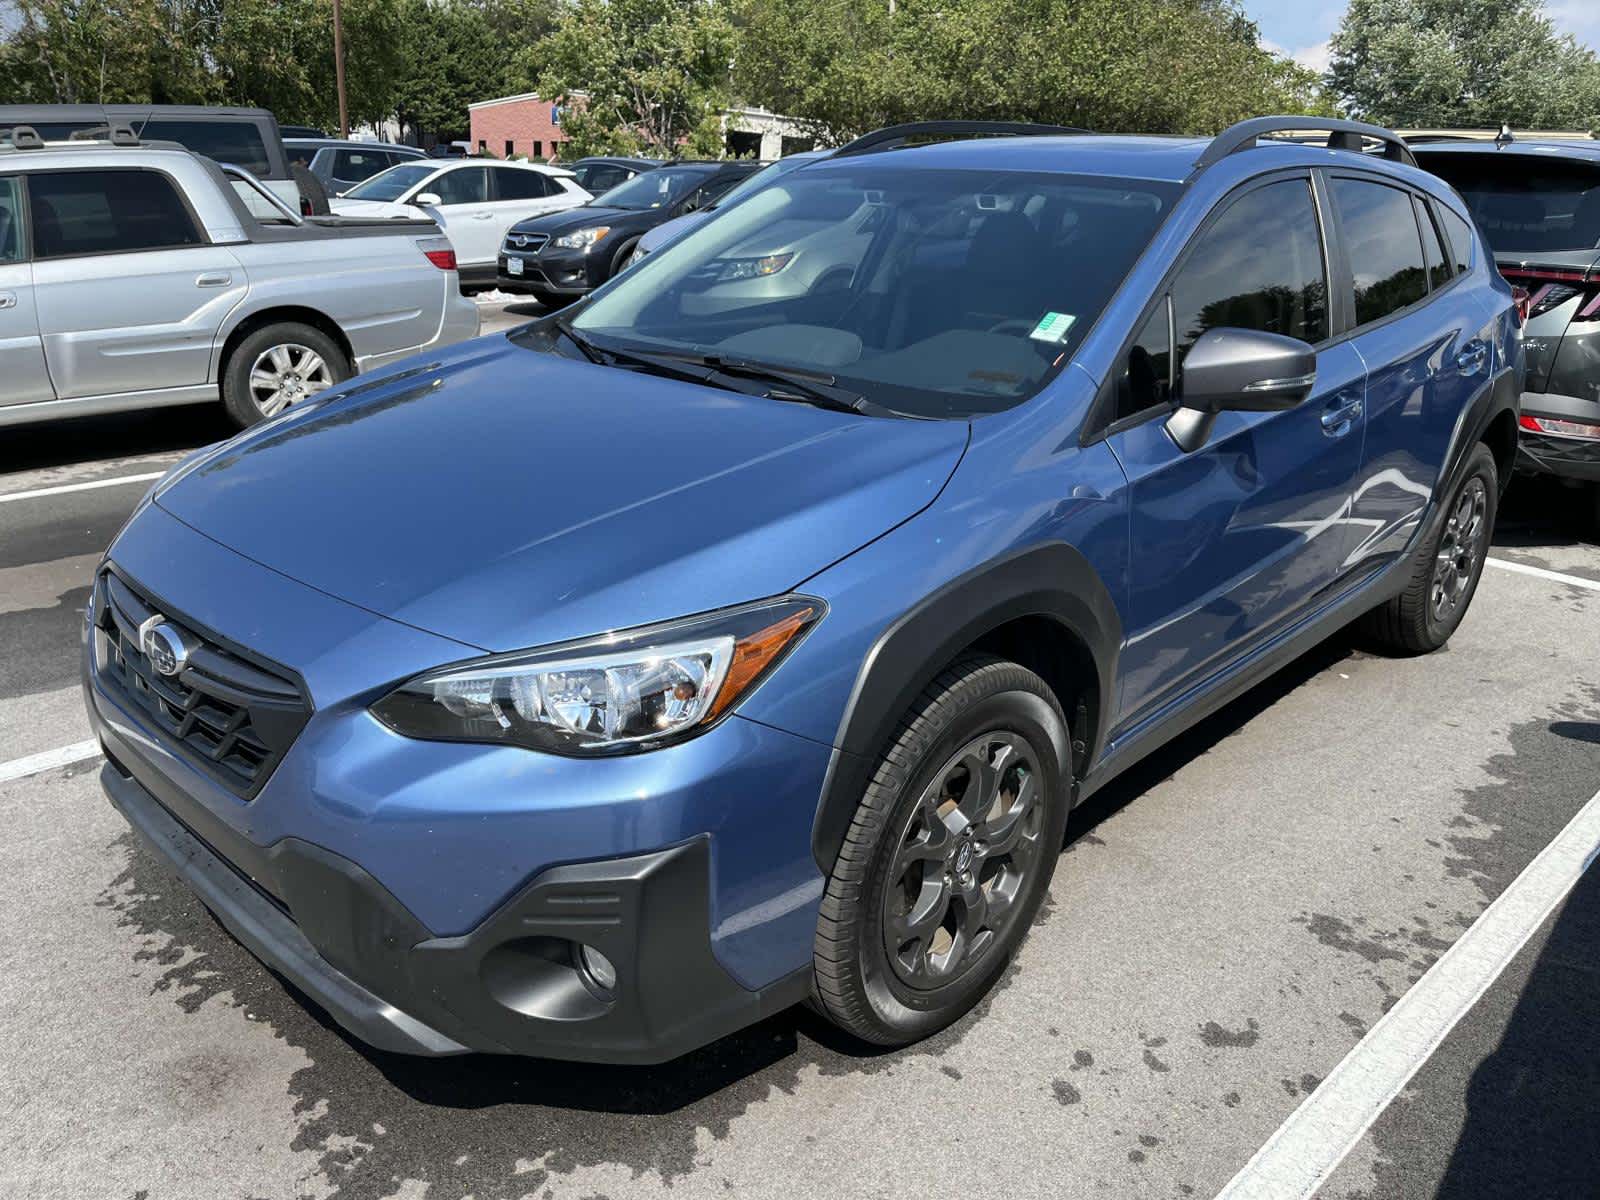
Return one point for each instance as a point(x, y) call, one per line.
point(1051, 580)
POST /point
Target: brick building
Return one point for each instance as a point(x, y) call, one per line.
point(531, 126)
point(522, 124)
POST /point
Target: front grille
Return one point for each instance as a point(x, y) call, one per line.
point(530, 243)
point(233, 719)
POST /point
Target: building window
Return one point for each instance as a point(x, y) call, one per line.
point(538, 148)
point(483, 146)
point(511, 147)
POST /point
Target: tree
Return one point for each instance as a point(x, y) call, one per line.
point(81, 51)
point(459, 51)
point(1178, 66)
point(637, 75)
point(1462, 63)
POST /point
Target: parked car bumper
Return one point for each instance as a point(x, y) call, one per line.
point(1564, 455)
point(561, 272)
point(459, 322)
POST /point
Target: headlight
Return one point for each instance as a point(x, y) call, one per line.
point(622, 692)
point(582, 239)
point(753, 268)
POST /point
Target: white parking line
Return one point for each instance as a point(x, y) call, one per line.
point(1306, 1148)
point(61, 756)
point(63, 488)
point(1577, 581)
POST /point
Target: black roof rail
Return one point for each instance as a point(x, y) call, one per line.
point(1342, 135)
point(898, 135)
point(25, 137)
point(118, 133)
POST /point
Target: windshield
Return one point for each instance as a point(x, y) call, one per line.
point(653, 189)
point(932, 293)
point(393, 183)
point(1525, 202)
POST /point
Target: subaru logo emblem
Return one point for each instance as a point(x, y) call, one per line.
point(164, 645)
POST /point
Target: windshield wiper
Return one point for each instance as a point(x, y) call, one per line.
point(605, 356)
point(792, 383)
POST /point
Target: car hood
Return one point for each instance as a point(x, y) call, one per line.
point(507, 498)
point(369, 208)
point(581, 217)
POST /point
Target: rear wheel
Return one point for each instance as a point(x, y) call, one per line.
point(278, 366)
point(948, 856)
point(1445, 576)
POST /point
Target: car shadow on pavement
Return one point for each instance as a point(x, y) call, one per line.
point(1542, 513)
point(1533, 1105)
point(86, 440)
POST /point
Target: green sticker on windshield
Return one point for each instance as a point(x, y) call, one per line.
point(1053, 326)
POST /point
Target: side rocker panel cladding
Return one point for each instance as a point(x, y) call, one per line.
point(1053, 580)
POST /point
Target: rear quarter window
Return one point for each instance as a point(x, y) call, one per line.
point(1459, 234)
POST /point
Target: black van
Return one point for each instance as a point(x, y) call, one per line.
point(246, 137)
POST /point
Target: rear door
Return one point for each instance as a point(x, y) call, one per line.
point(130, 293)
point(1419, 332)
point(465, 213)
point(23, 378)
point(1231, 541)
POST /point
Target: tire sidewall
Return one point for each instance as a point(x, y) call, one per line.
point(236, 395)
point(913, 1013)
point(1481, 466)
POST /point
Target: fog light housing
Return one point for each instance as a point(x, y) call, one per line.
point(598, 968)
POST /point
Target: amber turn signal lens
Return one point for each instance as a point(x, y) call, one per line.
point(754, 653)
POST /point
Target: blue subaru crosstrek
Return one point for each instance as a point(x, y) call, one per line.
point(744, 634)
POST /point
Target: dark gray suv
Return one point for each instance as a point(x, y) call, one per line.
point(1538, 205)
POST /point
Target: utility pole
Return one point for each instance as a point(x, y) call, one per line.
point(338, 69)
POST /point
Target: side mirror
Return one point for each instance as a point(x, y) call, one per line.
point(428, 200)
point(1239, 370)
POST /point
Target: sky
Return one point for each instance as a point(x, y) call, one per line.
point(1301, 28)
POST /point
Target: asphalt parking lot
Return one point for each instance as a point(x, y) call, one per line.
point(1227, 923)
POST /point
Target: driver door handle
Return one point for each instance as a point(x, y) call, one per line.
point(8, 299)
point(216, 279)
point(1340, 415)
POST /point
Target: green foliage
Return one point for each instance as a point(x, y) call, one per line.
point(1462, 63)
point(1159, 66)
point(653, 73)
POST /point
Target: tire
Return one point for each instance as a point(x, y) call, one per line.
point(246, 404)
point(1436, 597)
point(620, 257)
point(896, 864)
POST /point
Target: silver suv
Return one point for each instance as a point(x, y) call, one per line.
point(134, 275)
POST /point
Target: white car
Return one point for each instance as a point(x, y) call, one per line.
point(475, 202)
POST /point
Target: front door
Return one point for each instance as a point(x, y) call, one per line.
point(130, 294)
point(23, 377)
point(1231, 541)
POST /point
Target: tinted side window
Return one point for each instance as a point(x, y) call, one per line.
point(602, 178)
point(1259, 266)
point(101, 212)
point(236, 142)
point(1380, 236)
point(520, 185)
point(352, 166)
point(470, 185)
point(1459, 234)
point(1439, 271)
point(714, 190)
point(10, 221)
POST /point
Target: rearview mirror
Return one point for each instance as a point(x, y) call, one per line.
point(1239, 370)
point(428, 200)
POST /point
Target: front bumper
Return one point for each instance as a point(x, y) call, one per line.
point(562, 272)
point(513, 985)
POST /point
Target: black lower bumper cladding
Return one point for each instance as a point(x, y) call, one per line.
point(517, 984)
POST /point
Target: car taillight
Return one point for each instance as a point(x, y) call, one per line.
point(1540, 289)
point(439, 252)
point(1521, 296)
point(1560, 427)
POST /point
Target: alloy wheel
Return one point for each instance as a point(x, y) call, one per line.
point(285, 375)
point(1460, 550)
point(962, 860)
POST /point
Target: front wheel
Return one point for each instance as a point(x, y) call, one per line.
point(948, 856)
point(1445, 576)
point(278, 366)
